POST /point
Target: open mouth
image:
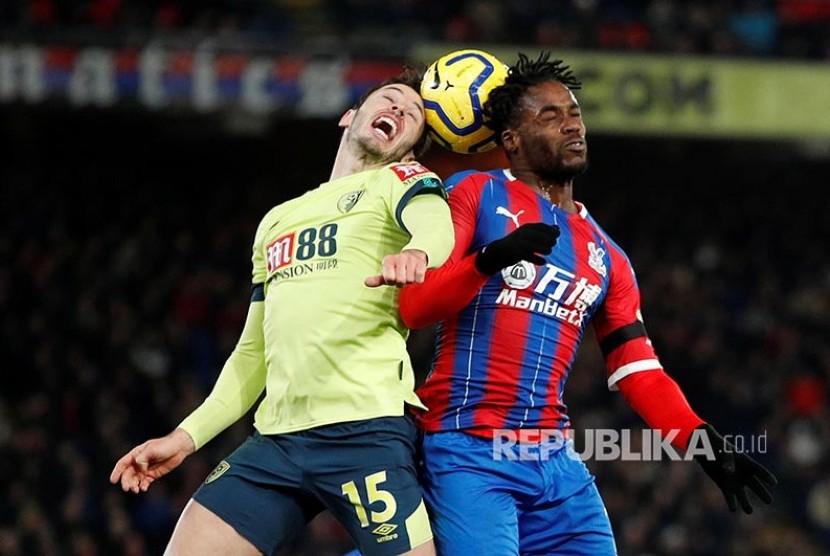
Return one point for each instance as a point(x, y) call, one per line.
point(577, 145)
point(385, 127)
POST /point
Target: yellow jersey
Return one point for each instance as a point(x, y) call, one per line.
point(335, 349)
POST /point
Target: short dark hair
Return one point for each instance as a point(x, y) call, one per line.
point(503, 106)
point(410, 76)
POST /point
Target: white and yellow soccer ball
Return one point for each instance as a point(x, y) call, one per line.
point(455, 88)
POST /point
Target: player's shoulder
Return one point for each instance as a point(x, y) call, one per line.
point(415, 176)
point(598, 229)
point(473, 179)
point(267, 221)
point(410, 173)
point(609, 245)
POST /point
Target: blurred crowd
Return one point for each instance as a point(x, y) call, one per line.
point(770, 28)
point(124, 279)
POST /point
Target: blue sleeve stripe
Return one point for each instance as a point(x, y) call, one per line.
point(257, 292)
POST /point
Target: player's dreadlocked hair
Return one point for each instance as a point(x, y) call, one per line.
point(503, 106)
point(411, 77)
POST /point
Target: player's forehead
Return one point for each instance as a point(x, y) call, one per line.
point(399, 92)
point(549, 94)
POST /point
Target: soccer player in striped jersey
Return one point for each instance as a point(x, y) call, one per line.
point(530, 269)
point(325, 343)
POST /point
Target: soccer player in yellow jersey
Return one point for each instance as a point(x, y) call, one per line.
point(324, 341)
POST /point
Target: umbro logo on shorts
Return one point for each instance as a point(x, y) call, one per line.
point(384, 529)
point(384, 532)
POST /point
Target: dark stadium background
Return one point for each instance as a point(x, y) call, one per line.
point(124, 273)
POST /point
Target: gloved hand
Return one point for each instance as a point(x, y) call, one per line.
point(526, 243)
point(732, 471)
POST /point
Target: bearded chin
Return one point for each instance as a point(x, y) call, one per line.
point(560, 173)
point(373, 152)
point(367, 149)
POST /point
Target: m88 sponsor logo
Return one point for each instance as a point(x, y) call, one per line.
point(287, 251)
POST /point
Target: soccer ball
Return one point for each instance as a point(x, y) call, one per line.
point(454, 89)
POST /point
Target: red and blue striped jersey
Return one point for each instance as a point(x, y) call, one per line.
point(502, 361)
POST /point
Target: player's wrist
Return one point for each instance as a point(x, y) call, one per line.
point(484, 263)
point(183, 440)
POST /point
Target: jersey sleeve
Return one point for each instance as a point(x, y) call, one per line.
point(464, 199)
point(260, 268)
point(411, 179)
point(242, 378)
point(629, 353)
point(448, 289)
point(427, 219)
point(660, 402)
point(619, 326)
point(239, 384)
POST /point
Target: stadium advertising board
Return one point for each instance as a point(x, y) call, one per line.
point(202, 80)
point(692, 96)
point(622, 93)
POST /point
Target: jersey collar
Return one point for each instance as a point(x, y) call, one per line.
point(581, 210)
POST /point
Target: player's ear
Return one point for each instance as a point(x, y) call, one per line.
point(346, 119)
point(509, 140)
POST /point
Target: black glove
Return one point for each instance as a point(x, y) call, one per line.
point(523, 244)
point(732, 471)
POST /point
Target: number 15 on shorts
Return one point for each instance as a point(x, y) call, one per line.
point(373, 494)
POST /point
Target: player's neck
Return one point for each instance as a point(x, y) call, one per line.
point(348, 162)
point(345, 163)
point(559, 194)
point(345, 167)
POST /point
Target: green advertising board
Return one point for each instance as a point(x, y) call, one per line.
point(689, 96)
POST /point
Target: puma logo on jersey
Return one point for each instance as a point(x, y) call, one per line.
point(501, 211)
